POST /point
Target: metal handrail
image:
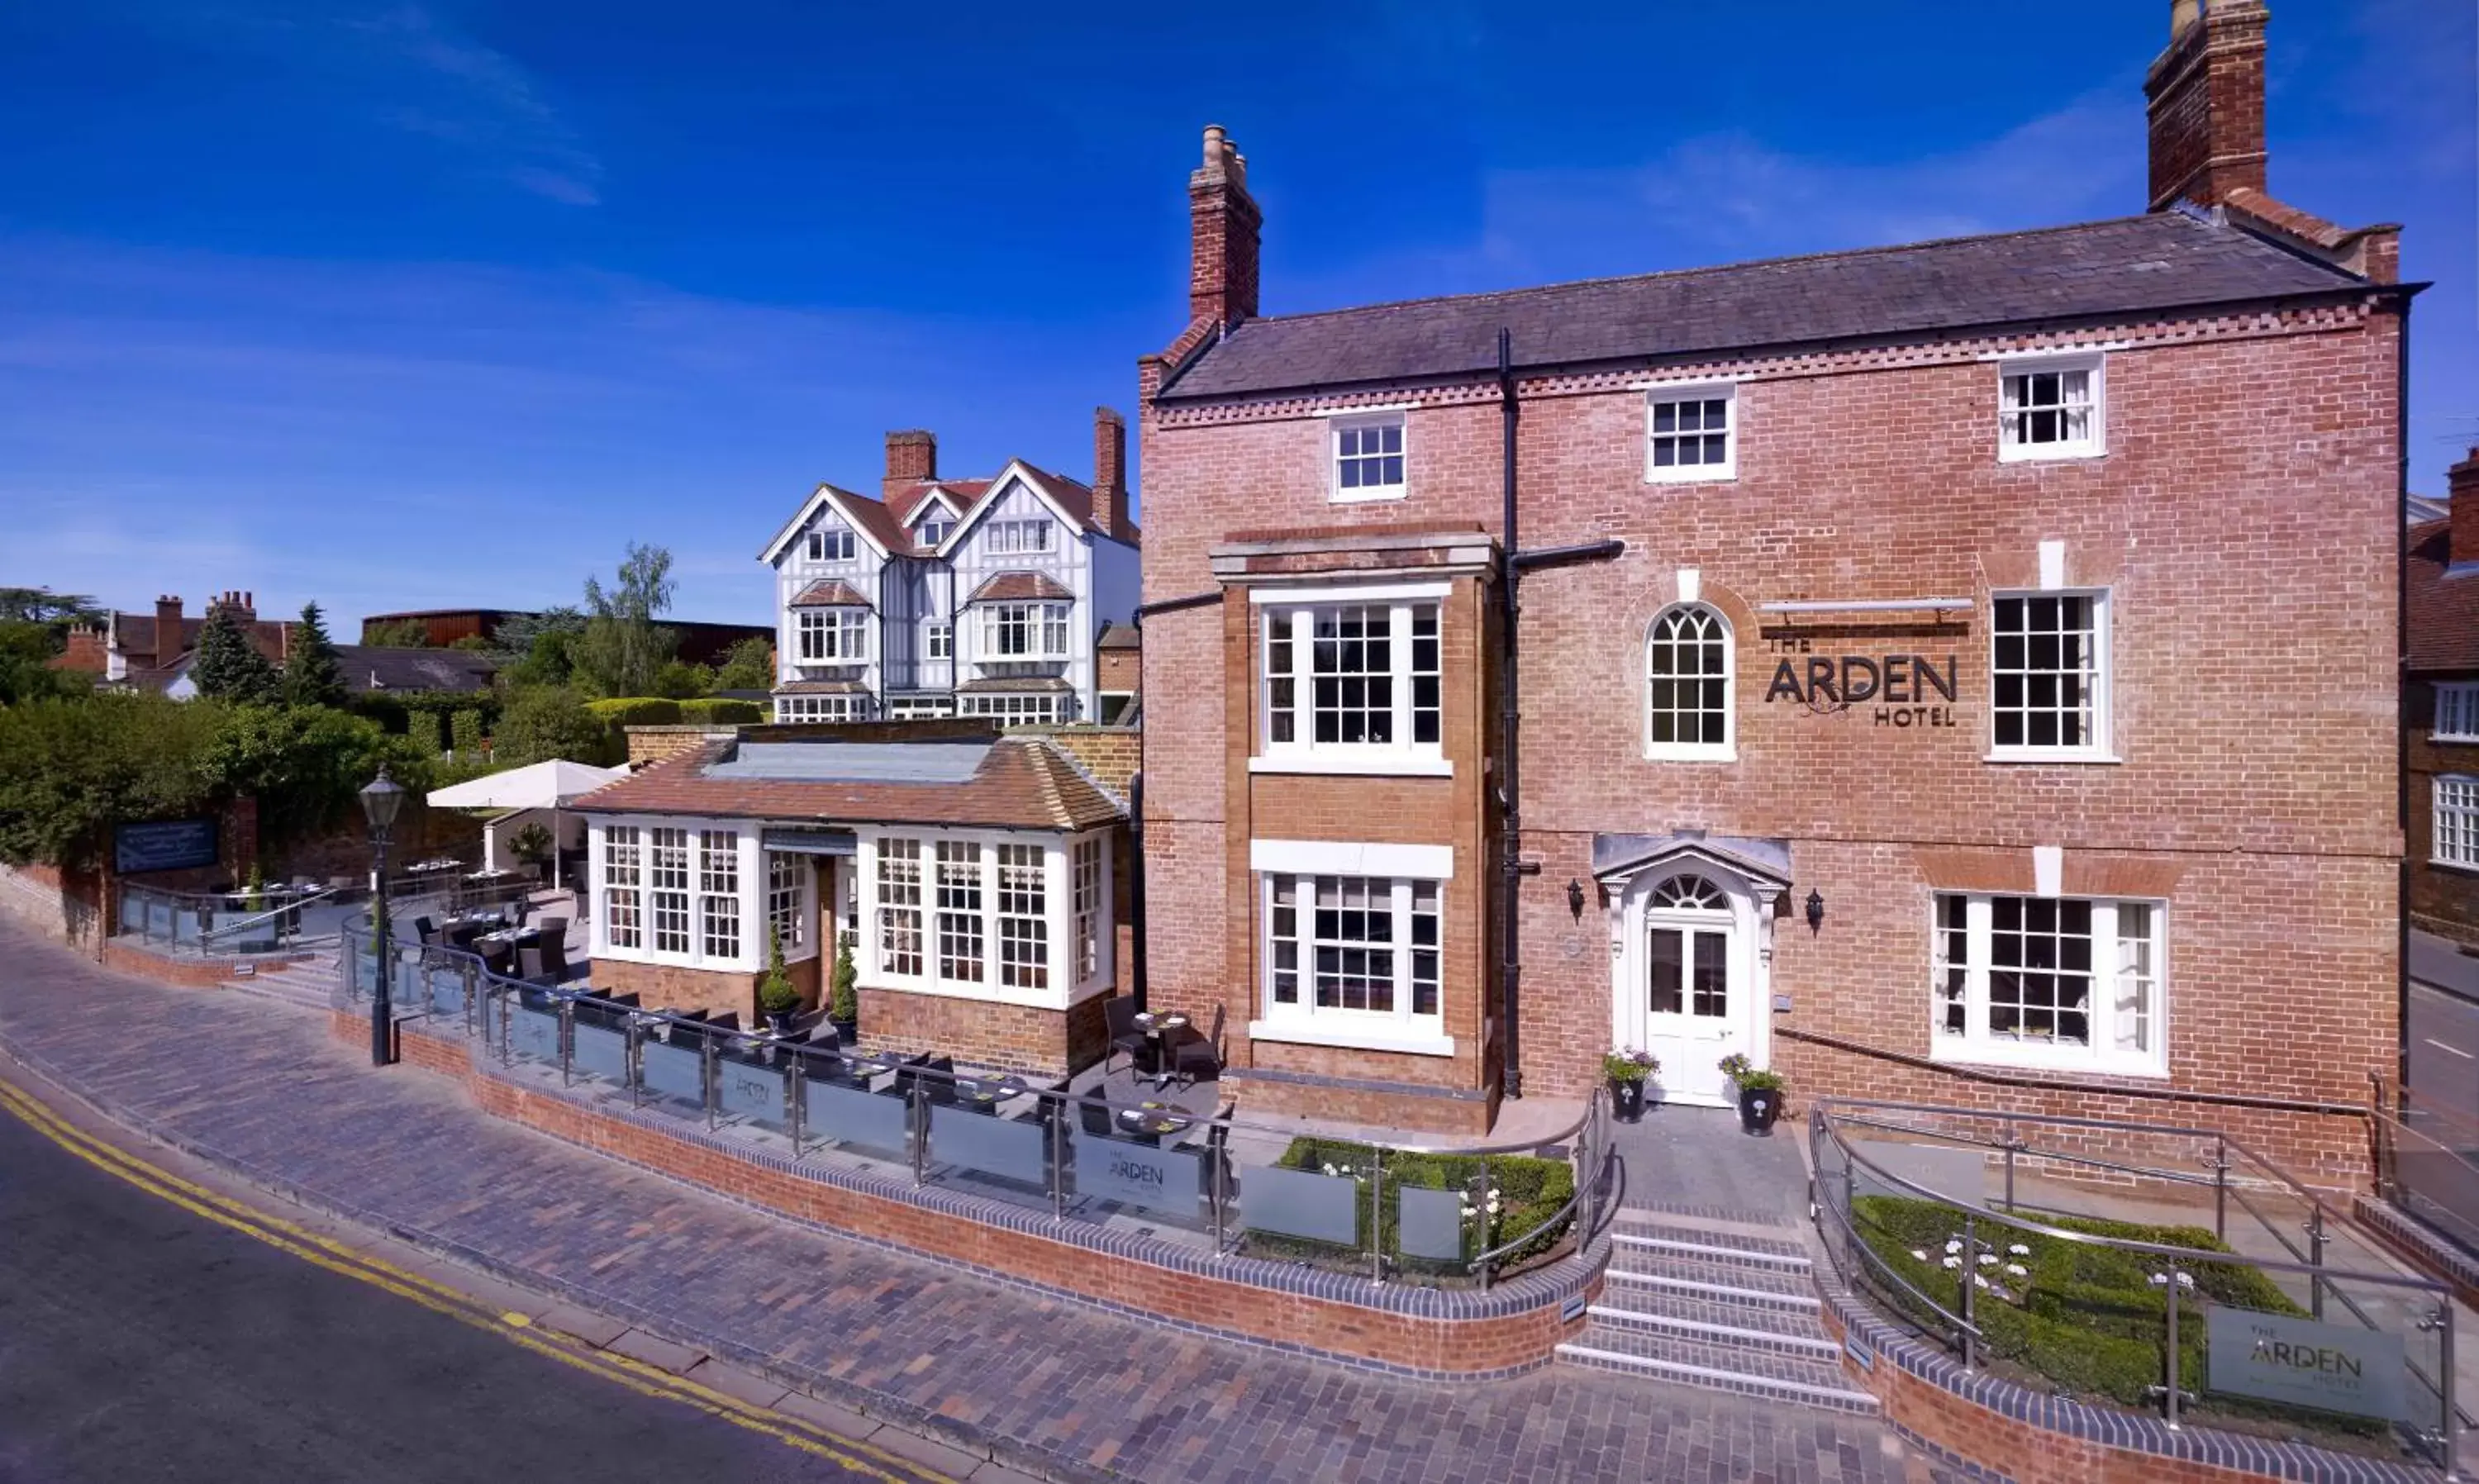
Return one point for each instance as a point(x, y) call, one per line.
point(1590, 1160)
point(1824, 1125)
point(323, 894)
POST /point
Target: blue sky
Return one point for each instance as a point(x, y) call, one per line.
point(424, 304)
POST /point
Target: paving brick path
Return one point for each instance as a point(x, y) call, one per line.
point(260, 1088)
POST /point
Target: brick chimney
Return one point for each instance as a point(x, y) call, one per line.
point(912, 456)
point(1223, 221)
point(1111, 473)
point(167, 631)
point(2462, 504)
point(2206, 97)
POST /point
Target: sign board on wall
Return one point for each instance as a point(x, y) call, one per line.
point(2335, 1367)
point(163, 845)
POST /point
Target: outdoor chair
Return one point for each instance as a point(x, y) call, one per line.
point(1119, 1018)
point(1204, 1052)
point(554, 929)
point(728, 1020)
point(530, 964)
point(1094, 1117)
point(426, 931)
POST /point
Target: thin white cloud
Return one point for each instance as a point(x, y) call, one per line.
point(466, 93)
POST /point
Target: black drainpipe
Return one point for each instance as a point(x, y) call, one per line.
point(2401, 705)
point(1510, 968)
point(1136, 800)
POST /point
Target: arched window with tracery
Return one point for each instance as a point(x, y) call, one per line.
point(1688, 682)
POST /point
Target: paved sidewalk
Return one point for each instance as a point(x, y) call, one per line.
point(260, 1088)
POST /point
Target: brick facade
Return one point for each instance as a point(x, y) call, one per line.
point(978, 1032)
point(671, 987)
point(2443, 650)
point(2221, 528)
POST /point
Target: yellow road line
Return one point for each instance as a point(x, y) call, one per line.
point(515, 1328)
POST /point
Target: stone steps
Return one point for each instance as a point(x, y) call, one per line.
point(307, 984)
point(1722, 1306)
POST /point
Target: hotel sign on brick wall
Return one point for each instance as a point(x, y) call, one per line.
point(1896, 690)
point(2334, 1368)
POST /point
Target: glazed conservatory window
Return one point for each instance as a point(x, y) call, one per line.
point(899, 907)
point(960, 912)
point(670, 860)
point(1024, 918)
point(622, 925)
point(2058, 982)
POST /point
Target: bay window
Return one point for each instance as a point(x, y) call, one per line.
point(1024, 631)
point(2072, 983)
point(719, 892)
point(899, 907)
point(670, 897)
point(832, 636)
point(960, 912)
point(681, 895)
point(622, 923)
point(983, 915)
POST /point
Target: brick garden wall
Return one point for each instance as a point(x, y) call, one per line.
point(1052, 1043)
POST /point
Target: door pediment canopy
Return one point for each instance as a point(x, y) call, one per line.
point(1618, 858)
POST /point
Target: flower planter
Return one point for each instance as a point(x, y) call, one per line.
point(1759, 1108)
point(779, 1021)
point(1626, 1099)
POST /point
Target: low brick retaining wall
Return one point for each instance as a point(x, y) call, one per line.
point(1432, 1334)
point(1993, 1428)
point(189, 973)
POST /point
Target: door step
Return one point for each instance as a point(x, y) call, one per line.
point(1711, 1252)
point(1746, 1373)
point(1804, 1340)
point(1741, 1294)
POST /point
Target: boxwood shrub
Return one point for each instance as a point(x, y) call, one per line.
point(634, 711)
point(1530, 1190)
point(722, 711)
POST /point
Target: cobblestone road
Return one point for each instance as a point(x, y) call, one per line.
point(260, 1088)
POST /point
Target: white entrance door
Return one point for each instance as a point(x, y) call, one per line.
point(1696, 1003)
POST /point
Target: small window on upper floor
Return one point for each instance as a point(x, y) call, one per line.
point(1369, 458)
point(1691, 433)
point(832, 546)
point(2456, 712)
point(1018, 538)
point(935, 530)
point(2050, 409)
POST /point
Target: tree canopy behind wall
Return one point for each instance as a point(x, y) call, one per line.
point(228, 667)
point(623, 651)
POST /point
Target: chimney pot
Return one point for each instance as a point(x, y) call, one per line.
point(2462, 509)
point(2184, 13)
point(911, 457)
point(1223, 225)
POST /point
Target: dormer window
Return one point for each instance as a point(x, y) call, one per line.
point(1369, 458)
point(832, 546)
point(935, 530)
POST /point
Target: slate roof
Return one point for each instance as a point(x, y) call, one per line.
point(2100, 269)
point(830, 594)
point(1019, 587)
point(1021, 784)
point(2444, 611)
point(1120, 636)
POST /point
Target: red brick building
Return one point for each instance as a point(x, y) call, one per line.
point(148, 650)
point(1888, 646)
point(2440, 675)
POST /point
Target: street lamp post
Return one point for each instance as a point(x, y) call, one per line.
point(381, 797)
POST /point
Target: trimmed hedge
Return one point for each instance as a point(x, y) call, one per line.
point(722, 711)
point(634, 711)
point(2088, 1319)
point(1530, 1190)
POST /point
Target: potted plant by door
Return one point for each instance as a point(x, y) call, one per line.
point(777, 994)
point(843, 998)
point(1760, 1093)
point(1628, 1070)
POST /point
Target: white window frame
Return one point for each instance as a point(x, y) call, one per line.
point(1060, 985)
point(1088, 877)
point(2456, 712)
point(1048, 629)
point(938, 642)
point(791, 882)
point(2453, 797)
point(936, 528)
point(2100, 745)
point(1699, 394)
point(789, 710)
point(1020, 537)
point(741, 881)
point(1287, 628)
point(1017, 708)
point(2094, 443)
point(1727, 749)
point(1300, 1018)
point(830, 636)
point(834, 545)
point(2107, 1007)
point(1338, 429)
point(911, 708)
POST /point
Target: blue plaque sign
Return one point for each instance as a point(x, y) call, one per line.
point(163, 845)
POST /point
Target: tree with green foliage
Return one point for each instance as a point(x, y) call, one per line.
point(543, 722)
point(70, 770)
point(303, 765)
point(55, 611)
point(681, 680)
point(27, 650)
point(532, 648)
point(396, 635)
point(465, 732)
point(312, 677)
point(749, 665)
point(623, 650)
point(228, 667)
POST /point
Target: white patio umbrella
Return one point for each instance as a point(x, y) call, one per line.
point(540, 785)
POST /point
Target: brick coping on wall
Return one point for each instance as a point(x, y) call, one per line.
point(1401, 1330)
point(1992, 1428)
point(190, 973)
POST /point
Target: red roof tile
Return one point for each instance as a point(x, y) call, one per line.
point(830, 594)
point(1019, 587)
point(1022, 784)
point(2443, 610)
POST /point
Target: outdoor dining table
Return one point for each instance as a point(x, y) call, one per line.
point(1154, 1121)
point(983, 1094)
point(1156, 1027)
